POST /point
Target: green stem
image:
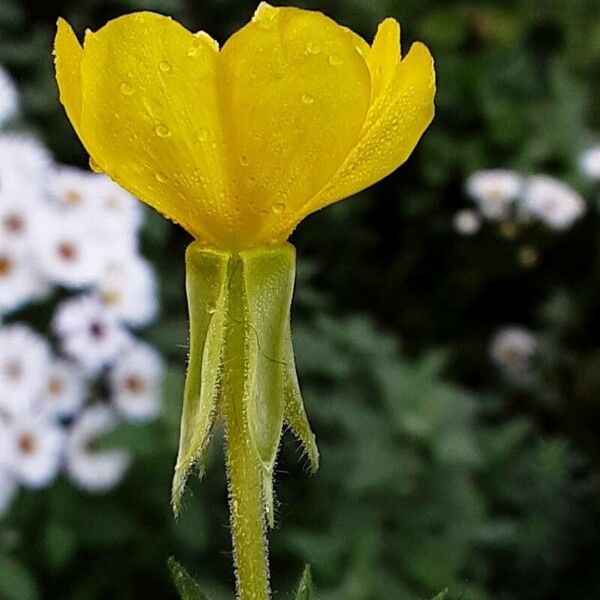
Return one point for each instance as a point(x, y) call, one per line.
point(244, 471)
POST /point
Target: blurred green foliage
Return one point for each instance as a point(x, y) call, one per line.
point(491, 492)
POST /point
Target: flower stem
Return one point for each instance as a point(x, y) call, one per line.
point(247, 513)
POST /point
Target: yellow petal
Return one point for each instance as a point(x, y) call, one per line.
point(296, 92)
point(401, 109)
point(67, 57)
point(359, 43)
point(383, 59)
point(150, 119)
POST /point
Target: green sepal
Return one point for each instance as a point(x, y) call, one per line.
point(294, 411)
point(207, 293)
point(186, 586)
point(269, 284)
point(305, 586)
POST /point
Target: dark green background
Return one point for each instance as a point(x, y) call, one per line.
point(435, 471)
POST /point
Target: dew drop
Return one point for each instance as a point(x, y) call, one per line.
point(126, 89)
point(202, 134)
point(194, 50)
point(278, 208)
point(312, 48)
point(160, 177)
point(94, 166)
point(335, 60)
point(307, 99)
point(164, 66)
point(244, 161)
point(162, 130)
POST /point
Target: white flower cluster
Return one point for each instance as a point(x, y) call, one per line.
point(590, 163)
point(510, 198)
point(70, 235)
point(512, 349)
point(9, 98)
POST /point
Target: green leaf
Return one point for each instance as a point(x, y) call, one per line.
point(305, 586)
point(186, 586)
point(16, 581)
point(60, 544)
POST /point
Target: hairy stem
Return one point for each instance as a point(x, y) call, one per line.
point(244, 471)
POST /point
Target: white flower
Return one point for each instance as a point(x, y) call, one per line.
point(34, 448)
point(9, 99)
point(24, 364)
point(135, 383)
point(513, 347)
point(466, 222)
point(493, 191)
point(590, 163)
point(66, 253)
point(128, 287)
point(19, 282)
point(552, 202)
point(112, 216)
point(24, 168)
point(8, 486)
point(94, 470)
point(20, 186)
point(65, 390)
point(71, 189)
point(118, 210)
point(89, 332)
point(17, 222)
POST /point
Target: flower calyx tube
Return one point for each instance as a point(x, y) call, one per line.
point(241, 370)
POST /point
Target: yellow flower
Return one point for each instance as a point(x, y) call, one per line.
point(238, 145)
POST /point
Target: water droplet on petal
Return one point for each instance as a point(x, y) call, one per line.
point(335, 60)
point(164, 66)
point(202, 134)
point(244, 161)
point(307, 99)
point(162, 130)
point(194, 49)
point(360, 50)
point(126, 89)
point(278, 207)
point(160, 177)
point(312, 48)
point(94, 166)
